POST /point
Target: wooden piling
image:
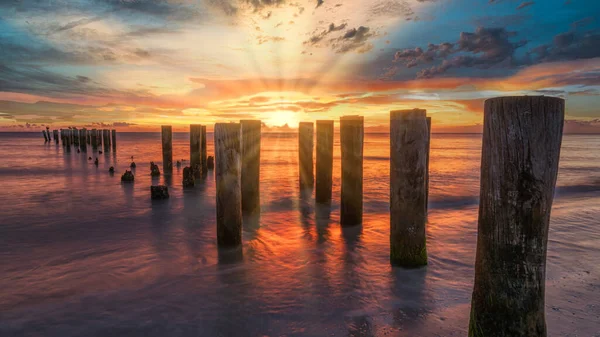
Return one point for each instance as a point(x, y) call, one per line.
point(48, 133)
point(228, 179)
point(167, 149)
point(203, 151)
point(427, 163)
point(521, 148)
point(251, 137)
point(94, 138)
point(75, 133)
point(195, 149)
point(45, 136)
point(408, 171)
point(305, 154)
point(82, 139)
point(324, 179)
point(68, 139)
point(106, 140)
point(55, 132)
point(114, 139)
point(351, 139)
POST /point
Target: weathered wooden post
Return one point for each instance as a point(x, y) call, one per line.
point(324, 179)
point(45, 137)
point(195, 149)
point(114, 139)
point(305, 154)
point(228, 177)
point(203, 152)
point(82, 139)
point(106, 140)
point(55, 132)
point(94, 139)
point(408, 172)
point(427, 166)
point(521, 148)
point(351, 139)
point(251, 137)
point(75, 133)
point(167, 149)
point(68, 139)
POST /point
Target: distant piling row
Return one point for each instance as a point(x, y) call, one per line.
point(81, 138)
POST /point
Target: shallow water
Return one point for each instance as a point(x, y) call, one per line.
point(83, 255)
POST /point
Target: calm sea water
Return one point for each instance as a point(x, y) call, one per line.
point(83, 255)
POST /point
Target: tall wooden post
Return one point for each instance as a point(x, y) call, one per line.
point(106, 139)
point(228, 171)
point(251, 137)
point(82, 139)
point(55, 132)
point(48, 133)
point(305, 154)
point(167, 149)
point(45, 136)
point(94, 139)
point(408, 174)
point(195, 149)
point(114, 139)
point(427, 164)
point(324, 181)
point(521, 148)
point(75, 137)
point(68, 139)
point(203, 151)
point(351, 139)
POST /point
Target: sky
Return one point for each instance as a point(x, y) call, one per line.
point(136, 64)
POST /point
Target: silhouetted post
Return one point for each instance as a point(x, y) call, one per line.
point(195, 149)
point(520, 154)
point(251, 136)
point(45, 136)
point(106, 139)
point(68, 139)
point(75, 133)
point(82, 140)
point(55, 132)
point(408, 172)
point(305, 154)
point(203, 151)
point(114, 139)
point(351, 139)
point(167, 149)
point(94, 139)
point(427, 166)
point(324, 161)
point(228, 171)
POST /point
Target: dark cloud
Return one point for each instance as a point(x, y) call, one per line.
point(485, 48)
point(319, 3)
point(525, 4)
point(355, 39)
point(569, 46)
point(319, 36)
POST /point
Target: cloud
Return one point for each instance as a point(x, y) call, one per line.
point(318, 37)
point(569, 46)
point(525, 4)
point(484, 48)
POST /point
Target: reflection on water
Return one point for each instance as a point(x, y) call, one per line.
point(82, 254)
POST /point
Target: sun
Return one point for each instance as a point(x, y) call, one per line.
point(283, 117)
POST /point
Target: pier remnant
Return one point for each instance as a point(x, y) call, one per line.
point(427, 166)
point(127, 177)
point(203, 153)
point(82, 139)
point(114, 139)
point(75, 134)
point(408, 174)
point(251, 137)
point(196, 149)
point(94, 139)
point(520, 154)
point(55, 132)
point(228, 179)
point(188, 177)
point(167, 149)
point(324, 179)
point(159, 192)
point(305, 154)
point(154, 170)
point(351, 139)
point(45, 136)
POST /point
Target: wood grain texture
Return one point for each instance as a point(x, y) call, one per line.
point(305, 154)
point(228, 170)
point(351, 139)
point(203, 152)
point(408, 167)
point(196, 149)
point(167, 148)
point(521, 148)
point(324, 174)
point(251, 137)
point(427, 165)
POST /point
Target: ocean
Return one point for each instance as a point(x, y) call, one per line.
point(83, 255)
